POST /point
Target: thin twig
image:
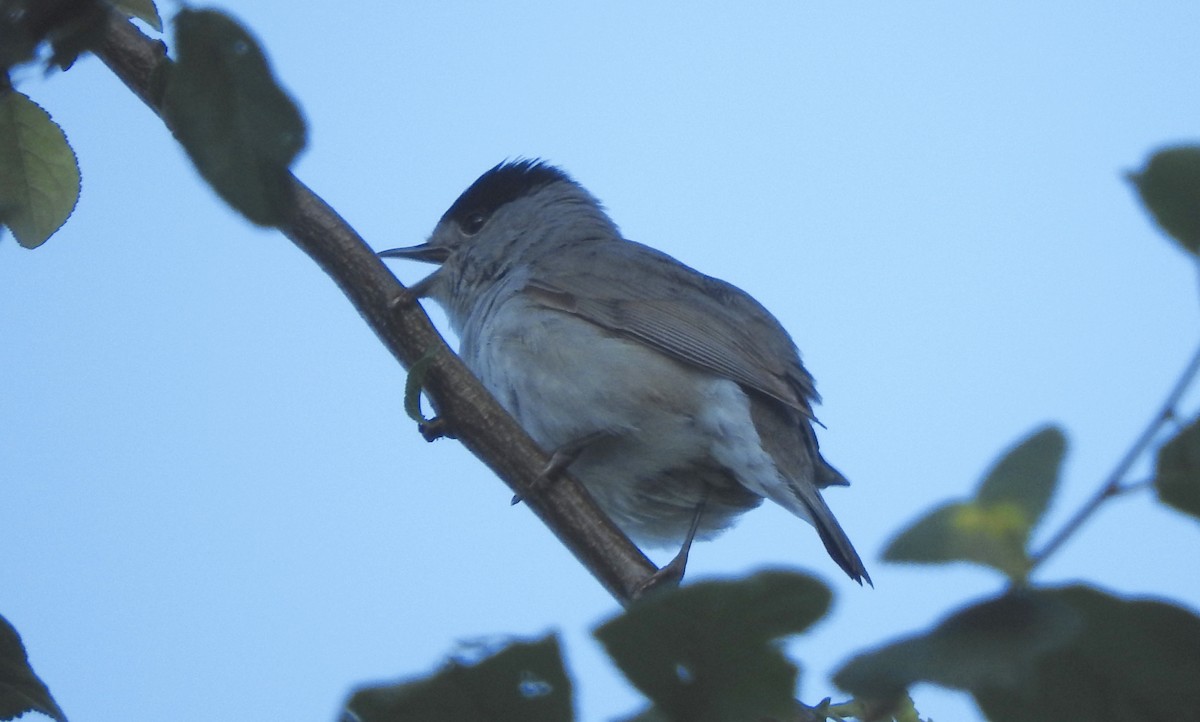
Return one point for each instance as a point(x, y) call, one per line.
point(1113, 486)
point(1130, 487)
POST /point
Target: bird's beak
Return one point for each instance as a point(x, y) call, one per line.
point(425, 252)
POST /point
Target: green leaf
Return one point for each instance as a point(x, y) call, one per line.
point(1132, 661)
point(143, 10)
point(1169, 186)
point(525, 682)
point(990, 535)
point(39, 178)
point(708, 652)
point(1177, 475)
point(993, 528)
point(987, 644)
point(1027, 475)
point(240, 129)
point(20, 689)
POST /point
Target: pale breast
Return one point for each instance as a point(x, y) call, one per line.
point(663, 425)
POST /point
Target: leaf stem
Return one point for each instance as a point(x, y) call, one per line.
point(1113, 486)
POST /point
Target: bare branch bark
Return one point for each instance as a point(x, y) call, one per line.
point(471, 414)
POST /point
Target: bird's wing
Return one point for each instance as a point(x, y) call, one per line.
point(639, 293)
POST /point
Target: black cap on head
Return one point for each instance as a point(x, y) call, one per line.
point(503, 184)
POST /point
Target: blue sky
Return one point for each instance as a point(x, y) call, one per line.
point(214, 504)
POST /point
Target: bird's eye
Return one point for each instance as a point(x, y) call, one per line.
point(473, 223)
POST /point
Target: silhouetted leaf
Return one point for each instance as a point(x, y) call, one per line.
point(69, 26)
point(994, 527)
point(650, 714)
point(990, 535)
point(143, 10)
point(707, 652)
point(78, 30)
point(19, 36)
point(1132, 661)
point(20, 689)
point(1177, 476)
point(525, 682)
point(26, 24)
point(239, 127)
point(39, 179)
point(1047, 655)
point(1169, 186)
point(991, 643)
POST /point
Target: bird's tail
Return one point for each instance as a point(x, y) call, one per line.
point(805, 501)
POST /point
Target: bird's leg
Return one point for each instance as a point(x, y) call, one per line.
point(671, 574)
point(562, 458)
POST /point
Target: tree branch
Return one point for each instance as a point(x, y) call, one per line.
point(470, 412)
point(1112, 485)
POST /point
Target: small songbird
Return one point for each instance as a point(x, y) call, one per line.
point(675, 398)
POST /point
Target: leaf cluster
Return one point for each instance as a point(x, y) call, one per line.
point(240, 128)
point(707, 653)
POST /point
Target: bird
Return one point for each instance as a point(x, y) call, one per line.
point(676, 399)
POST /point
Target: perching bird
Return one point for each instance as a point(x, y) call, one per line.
point(679, 401)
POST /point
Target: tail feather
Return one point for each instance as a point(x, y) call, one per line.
point(826, 475)
point(837, 543)
point(801, 473)
point(804, 500)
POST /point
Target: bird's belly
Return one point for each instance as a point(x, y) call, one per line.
point(660, 432)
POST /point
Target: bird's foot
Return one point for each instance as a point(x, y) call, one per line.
point(560, 460)
point(434, 429)
point(671, 575)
